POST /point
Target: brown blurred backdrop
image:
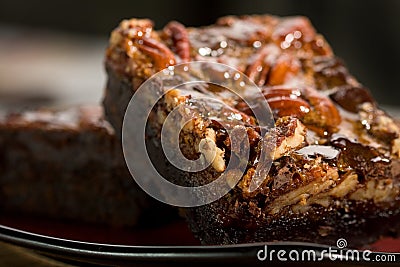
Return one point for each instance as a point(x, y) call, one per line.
point(366, 34)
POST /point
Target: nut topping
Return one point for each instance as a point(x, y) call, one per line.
point(288, 135)
point(286, 102)
point(259, 69)
point(351, 97)
point(282, 101)
point(160, 53)
point(324, 112)
point(211, 152)
point(137, 34)
point(268, 68)
point(284, 67)
point(178, 33)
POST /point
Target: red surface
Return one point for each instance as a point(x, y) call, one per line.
point(174, 233)
point(387, 244)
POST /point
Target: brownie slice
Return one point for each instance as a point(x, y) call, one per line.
point(67, 165)
point(335, 170)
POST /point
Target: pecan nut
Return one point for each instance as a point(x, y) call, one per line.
point(259, 69)
point(324, 112)
point(284, 66)
point(180, 38)
point(160, 53)
point(282, 101)
point(137, 34)
point(286, 102)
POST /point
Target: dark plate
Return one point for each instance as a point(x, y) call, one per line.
point(84, 253)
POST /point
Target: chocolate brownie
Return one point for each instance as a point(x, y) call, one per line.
point(335, 170)
point(67, 165)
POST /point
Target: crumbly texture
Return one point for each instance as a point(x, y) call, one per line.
point(66, 165)
point(335, 170)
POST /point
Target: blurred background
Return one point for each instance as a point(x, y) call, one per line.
point(51, 52)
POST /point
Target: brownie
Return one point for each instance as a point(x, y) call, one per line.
point(255, 45)
point(335, 164)
point(67, 165)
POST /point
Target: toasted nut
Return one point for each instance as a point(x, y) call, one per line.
point(286, 102)
point(178, 33)
point(282, 101)
point(351, 97)
point(324, 112)
point(137, 34)
point(259, 69)
point(134, 28)
point(291, 136)
point(285, 106)
point(283, 66)
point(211, 152)
point(162, 56)
point(378, 123)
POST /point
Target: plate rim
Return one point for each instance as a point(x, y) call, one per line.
point(99, 253)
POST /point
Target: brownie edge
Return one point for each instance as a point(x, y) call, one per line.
point(68, 165)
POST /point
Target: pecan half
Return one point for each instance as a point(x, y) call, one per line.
point(283, 66)
point(137, 34)
point(271, 68)
point(160, 53)
point(286, 102)
point(282, 101)
point(329, 72)
point(351, 97)
point(324, 112)
point(180, 38)
point(308, 105)
point(259, 69)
